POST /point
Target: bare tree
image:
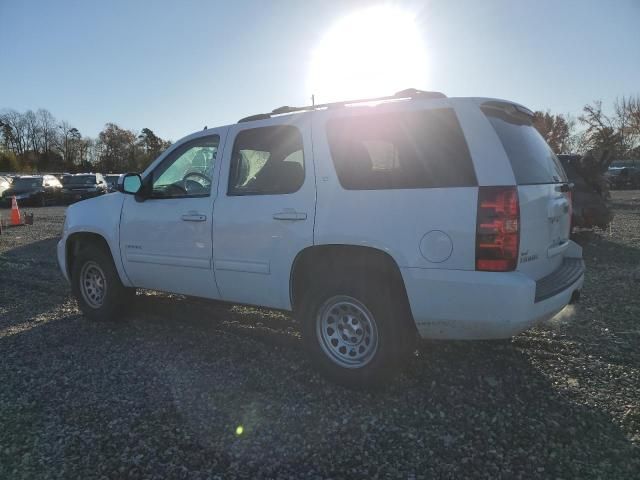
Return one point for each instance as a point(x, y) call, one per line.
point(33, 132)
point(47, 124)
point(617, 133)
point(14, 129)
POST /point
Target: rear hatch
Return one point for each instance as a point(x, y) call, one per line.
point(545, 204)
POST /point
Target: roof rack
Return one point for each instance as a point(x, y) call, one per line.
point(409, 93)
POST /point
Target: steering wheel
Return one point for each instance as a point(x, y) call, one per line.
point(193, 183)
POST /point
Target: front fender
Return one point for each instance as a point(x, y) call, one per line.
point(99, 216)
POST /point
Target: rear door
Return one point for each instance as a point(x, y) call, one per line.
point(265, 210)
point(545, 212)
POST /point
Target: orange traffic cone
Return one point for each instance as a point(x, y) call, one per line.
point(16, 219)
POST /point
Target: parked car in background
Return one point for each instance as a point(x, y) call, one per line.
point(5, 183)
point(443, 217)
point(112, 181)
point(624, 178)
point(38, 190)
point(590, 194)
point(82, 186)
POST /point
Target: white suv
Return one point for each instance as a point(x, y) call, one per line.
point(370, 220)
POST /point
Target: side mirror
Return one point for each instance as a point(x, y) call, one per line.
point(130, 183)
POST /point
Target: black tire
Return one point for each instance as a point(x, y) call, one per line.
point(42, 201)
point(96, 259)
point(394, 338)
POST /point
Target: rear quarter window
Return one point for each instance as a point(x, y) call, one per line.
point(532, 160)
point(400, 150)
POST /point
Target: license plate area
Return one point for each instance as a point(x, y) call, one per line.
point(558, 217)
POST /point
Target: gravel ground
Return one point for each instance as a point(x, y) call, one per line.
point(163, 394)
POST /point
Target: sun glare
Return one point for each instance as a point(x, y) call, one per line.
point(373, 52)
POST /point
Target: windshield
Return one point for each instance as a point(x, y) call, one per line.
point(27, 183)
point(79, 180)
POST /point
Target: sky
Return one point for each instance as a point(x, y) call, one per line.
point(175, 66)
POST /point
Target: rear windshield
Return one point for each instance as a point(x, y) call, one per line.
point(400, 150)
point(532, 160)
point(27, 183)
point(79, 180)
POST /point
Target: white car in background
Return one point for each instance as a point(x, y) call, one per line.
point(372, 221)
point(5, 184)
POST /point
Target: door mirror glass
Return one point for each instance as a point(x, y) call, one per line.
point(131, 183)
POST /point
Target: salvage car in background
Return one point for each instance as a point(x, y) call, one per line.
point(83, 185)
point(38, 190)
point(590, 194)
point(624, 178)
point(112, 182)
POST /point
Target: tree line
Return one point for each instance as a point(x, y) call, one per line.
point(607, 136)
point(37, 142)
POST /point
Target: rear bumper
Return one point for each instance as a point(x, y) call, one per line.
point(467, 305)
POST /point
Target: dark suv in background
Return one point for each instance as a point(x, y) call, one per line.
point(40, 190)
point(83, 185)
point(112, 181)
point(590, 194)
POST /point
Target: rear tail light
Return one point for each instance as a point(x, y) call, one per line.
point(497, 229)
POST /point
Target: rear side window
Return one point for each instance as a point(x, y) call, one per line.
point(532, 160)
point(267, 161)
point(418, 149)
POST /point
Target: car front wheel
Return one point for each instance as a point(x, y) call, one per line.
point(97, 286)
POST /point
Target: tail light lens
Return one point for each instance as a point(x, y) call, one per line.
point(497, 229)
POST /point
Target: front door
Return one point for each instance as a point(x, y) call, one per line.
point(265, 210)
point(166, 240)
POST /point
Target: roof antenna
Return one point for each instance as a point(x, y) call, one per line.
point(313, 100)
point(205, 127)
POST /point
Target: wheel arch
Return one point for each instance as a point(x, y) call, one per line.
point(76, 240)
point(318, 261)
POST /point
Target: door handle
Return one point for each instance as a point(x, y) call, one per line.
point(193, 217)
point(290, 216)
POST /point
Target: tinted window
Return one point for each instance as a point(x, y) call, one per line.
point(421, 149)
point(531, 158)
point(79, 180)
point(27, 183)
point(267, 161)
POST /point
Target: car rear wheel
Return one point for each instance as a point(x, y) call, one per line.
point(97, 286)
point(354, 332)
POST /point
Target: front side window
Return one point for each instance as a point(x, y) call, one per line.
point(267, 161)
point(400, 150)
point(187, 171)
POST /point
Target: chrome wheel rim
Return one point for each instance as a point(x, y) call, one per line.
point(347, 332)
point(93, 284)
